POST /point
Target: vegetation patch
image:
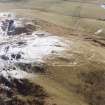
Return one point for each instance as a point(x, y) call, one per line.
point(92, 87)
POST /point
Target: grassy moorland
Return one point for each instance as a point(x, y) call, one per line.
point(77, 78)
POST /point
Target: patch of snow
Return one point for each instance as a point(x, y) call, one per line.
point(5, 87)
point(7, 15)
point(103, 6)
point(18, 74)
point(35, 47)
point(98, 31)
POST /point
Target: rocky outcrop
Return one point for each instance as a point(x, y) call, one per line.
point(23, 52)
point(10, 25)
point(11, 89)
point(33, 67)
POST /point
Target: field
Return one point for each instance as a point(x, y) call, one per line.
point(77, 77)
